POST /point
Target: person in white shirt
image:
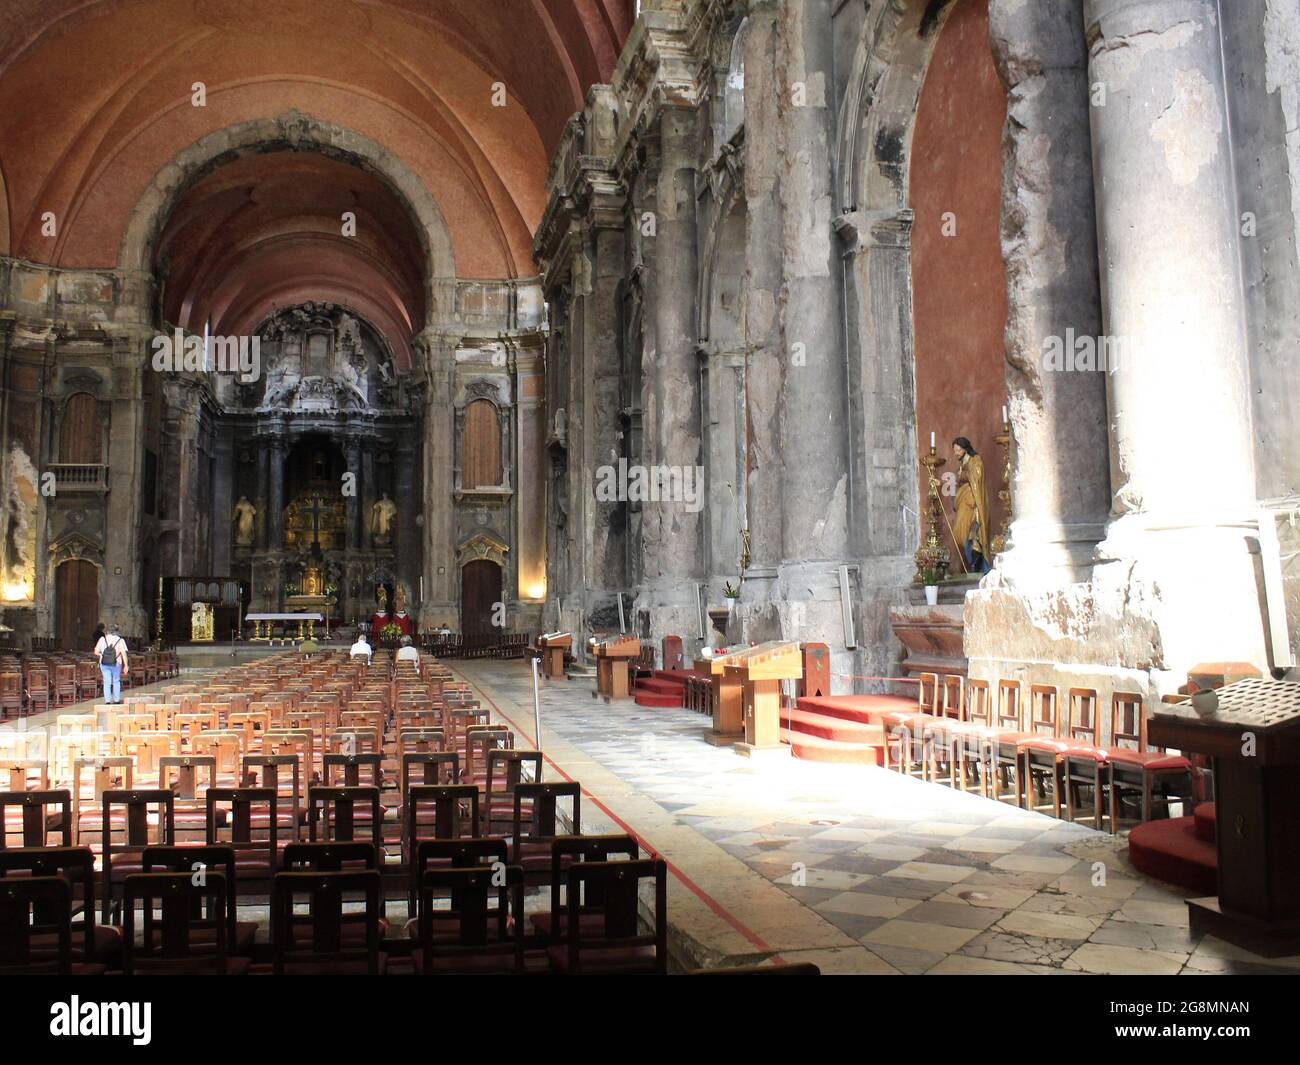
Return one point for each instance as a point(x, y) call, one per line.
point(111, 652)
point(361, 647)
point(408, 653)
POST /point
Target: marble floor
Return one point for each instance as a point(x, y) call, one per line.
point(854, 868)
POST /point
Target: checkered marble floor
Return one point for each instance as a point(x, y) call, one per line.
point(855, 868)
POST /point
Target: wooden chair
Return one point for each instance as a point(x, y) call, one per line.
point(38, 818)
point(191, 860)
point(1156, 778)
point(474, 936)
point(11, 693)
point(321, 943)
point(452, 813)
point(332, 813)
point(1083, 763)
point(1040, 752)
point(184, 927)
point(65, 684)
point(38, 689)
point(31, 908)
point(244, 812)
point(618, 946)
point(136, 804)
point(531, 839)
point(505, 771)
point(92, 942)
point(565, 850)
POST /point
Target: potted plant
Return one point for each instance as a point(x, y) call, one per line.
point(731, 593)
point(931, 577)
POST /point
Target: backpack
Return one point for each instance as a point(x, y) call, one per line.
point(109, 657)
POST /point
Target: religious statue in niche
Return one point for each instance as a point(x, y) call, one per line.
point(382, 513)
point(245, 522)
point(971, 521)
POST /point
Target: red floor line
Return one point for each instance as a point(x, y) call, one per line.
point(695, 888)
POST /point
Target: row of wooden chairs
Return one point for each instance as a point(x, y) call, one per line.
point(470, 912)
point(971, 736)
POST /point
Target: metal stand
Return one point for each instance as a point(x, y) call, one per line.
point(537, 706)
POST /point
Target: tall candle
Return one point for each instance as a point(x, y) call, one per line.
point(1004, 415)
point(931, 441)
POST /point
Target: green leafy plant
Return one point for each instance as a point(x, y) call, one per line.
point(730, 591)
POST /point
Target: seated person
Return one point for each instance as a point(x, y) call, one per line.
point(361, 647)
point(408, 653)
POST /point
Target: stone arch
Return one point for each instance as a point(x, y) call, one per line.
point(299, 132)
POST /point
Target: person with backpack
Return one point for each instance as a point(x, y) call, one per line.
point(111, 652)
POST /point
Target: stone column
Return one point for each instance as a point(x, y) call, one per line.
point(812, 415)
point(223, 503)
point(126, 468)
point(765, 365)
point(532, 468)
point(352, 503)
point(438, 350)
point(275, 494)
point(1182, 447)
point(670, 405)
point(1167, 223)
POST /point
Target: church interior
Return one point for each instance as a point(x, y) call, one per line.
point(774, 487)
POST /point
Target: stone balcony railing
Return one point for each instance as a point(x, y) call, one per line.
point(79, 477)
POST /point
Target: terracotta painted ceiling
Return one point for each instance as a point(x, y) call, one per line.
point(95, 100)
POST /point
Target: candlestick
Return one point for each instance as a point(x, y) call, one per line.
point(999, 543)
point(932, 557)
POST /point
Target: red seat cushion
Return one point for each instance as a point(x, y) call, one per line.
point(1150, 760)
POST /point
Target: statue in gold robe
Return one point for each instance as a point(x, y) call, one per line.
point(971, 524)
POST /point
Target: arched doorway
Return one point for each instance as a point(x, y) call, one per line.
point(480, 591)
point(76, 585)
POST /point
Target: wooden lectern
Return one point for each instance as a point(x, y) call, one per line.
point(728, 701)
point(760, 670)
point(553, 646)
point(1254, 738)
point(612, 658)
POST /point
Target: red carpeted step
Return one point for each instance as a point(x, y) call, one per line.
point(647, 698)
point(816, 749)
point(660, 687)
point(828, 727)
point(1170, 850)
point(864, 708)
point(1206, 822)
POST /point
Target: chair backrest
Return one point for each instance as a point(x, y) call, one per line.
point(332, 812)
point(76, 865)
point(185, 773)
point(954, 696)
point(437, 767)
point(197, 860)
point(1010, 714)
point(1043, 710)
point(317, 941)
point(175, 907)
point(927, 693)
point(473, 929)
point(542, 823)
point(243, 803)
point(36, 819)
point(565, 850)
point(618, 884)
point(1128, 720)
point(348, 768)
point(447, 819)
point(1084, 721)
point(979, 703)
point(29, 905)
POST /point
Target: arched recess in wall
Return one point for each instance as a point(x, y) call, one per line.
point(879, 223)
point(295, 131)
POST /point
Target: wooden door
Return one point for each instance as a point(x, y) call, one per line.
point(77, 603)
point(480, 592)
point(80, 436)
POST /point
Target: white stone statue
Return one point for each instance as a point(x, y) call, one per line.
point(245, 516)
point(382, 513)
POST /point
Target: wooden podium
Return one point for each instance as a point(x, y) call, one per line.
point(553, 646)
point(1254, 739)
point(728, 702)
point(760, 670)
point(612, 658)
